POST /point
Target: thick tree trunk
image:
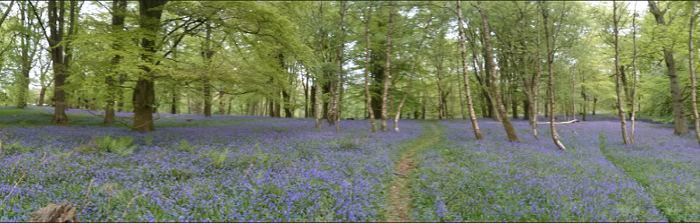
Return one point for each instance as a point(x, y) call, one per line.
point(693, 83)
point(144, 92)
point(620, 105)
point(60, 63)
point(387, 67)
point(679, 119)
point(367, 95)
point(503, 113)
point(526, 108)
point(550, 61)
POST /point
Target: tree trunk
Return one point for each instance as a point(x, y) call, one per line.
point(367, 95)
point(620, 105)
point(595, 100)
point(206, 79)
point(416, 60)
point(503, 113)
point(679, 119)
point(144, 92)
point(387, 67)
point(118, 10)
point(461, 101)
point(307, 113)
point(550, 60)
point(25, 57)
point(573, 93)
point(693, 83)
point(222, 110)
point(483, 83)
point(441, 111)
point(634, 71)
point(60, 62)
point(514, 107)
point(526, 108)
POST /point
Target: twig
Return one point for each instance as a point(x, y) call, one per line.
point(132, 200)
point(86, 196)
point(13, 188)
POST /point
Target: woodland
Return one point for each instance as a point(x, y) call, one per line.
point(349, 111)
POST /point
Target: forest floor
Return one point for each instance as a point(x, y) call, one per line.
point(252, 168)
point(399, 195)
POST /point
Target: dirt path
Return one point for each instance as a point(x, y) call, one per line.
point(399, 209)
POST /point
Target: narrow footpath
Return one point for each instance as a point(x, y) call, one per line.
point(399, 199)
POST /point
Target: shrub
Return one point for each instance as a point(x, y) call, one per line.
point(120, 145)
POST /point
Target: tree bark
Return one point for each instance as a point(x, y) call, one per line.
point(441, 112)
point(25, 57)
point(461, 101)
point(634, 71)
point(692, 74)
point(118, 16)
point(502, 112)
point(206, 78)
point(61, 62)
point(144, 92)
point(387, 67)
point(550, 60)
point(367, 95)
point(620, 105)
point(573, 92)
point(679, 119)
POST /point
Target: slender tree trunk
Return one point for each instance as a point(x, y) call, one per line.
point(679, 119)
point(550, 61)
point(467, 91)
point(693, 83)
point(387, 67)
point(144, 92)
point(118, 10)
point(173, 106)
point(620, 106)
point(595, 100)
point(222, 110)
point(441, 111)
point(416, 60)
point(634, 71)
point(367, 95)
point(306, 96)
point(339, 83)
point(206, 79)
point(461, 101)
point(23, 79)
point(503, 113)
point(573, 93)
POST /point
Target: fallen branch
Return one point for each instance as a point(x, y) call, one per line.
point(559, 123)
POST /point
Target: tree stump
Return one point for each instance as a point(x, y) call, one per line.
point(54, 213)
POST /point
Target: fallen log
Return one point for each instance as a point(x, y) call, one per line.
point(559, 123)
